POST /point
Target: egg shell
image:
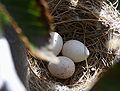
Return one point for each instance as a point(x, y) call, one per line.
point(75, 50)
point(64, 69)
point(56, 42)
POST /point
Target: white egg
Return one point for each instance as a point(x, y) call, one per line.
point(56, 42)
point(64, 69)
point(75, 50)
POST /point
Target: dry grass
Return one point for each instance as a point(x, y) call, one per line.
point(93, 22)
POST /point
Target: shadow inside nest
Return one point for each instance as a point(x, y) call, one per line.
point(80, 20)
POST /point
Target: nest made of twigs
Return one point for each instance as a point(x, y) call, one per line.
point(92, 22)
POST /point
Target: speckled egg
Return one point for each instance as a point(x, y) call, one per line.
point(75, 50)
point(64, 69)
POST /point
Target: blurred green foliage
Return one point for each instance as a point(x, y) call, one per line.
point(110, 81)
point(3, 18)
point(27, 14)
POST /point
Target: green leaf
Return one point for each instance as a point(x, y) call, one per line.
point(110, 81)
point(4, 20)
point(27, 14)
point(1, 31)
point(33, 18)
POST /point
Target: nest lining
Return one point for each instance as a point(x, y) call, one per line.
point(92, 22)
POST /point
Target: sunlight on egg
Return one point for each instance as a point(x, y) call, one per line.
point(75, 50)
point(56, 42)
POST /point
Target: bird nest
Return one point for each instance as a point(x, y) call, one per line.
point(93, 22)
